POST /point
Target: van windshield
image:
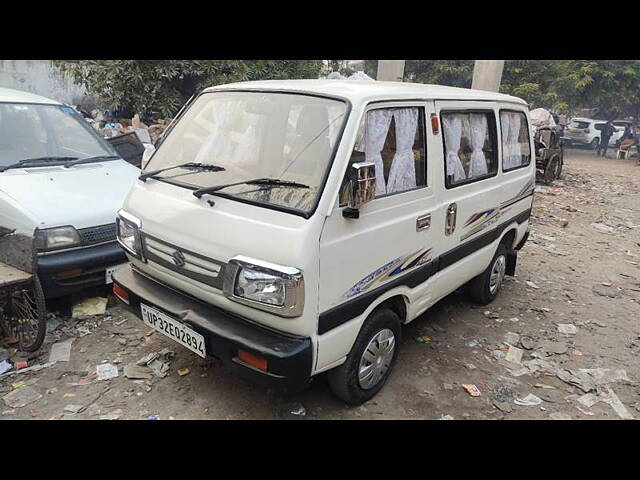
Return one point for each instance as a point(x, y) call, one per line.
point(31, 131)
point(288, 137)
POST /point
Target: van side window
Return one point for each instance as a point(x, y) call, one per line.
point(393, 139)
point(516, 149)
point(470, 146)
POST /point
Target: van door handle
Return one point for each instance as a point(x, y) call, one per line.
point(423, 222)
point(450, 225)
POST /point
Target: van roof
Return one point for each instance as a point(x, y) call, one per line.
point(372, 90)
point(18, 96)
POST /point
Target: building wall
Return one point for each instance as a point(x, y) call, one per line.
point(39, 77)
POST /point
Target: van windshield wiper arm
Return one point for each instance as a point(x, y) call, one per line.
point(258, 181)
point(97, 158)
point(35, 161)
point(195, 165)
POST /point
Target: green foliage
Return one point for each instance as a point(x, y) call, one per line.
point(455, 73)
point(165, 85)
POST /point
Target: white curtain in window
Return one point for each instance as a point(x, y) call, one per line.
point(402, 175)
point(378, 122)
point(452, 129)
point(506, 150)
point(514, 144)
point(478, 166)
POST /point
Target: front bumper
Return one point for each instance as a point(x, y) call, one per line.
point(289, 358)
point(91, 261)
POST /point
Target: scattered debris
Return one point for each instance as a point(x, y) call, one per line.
point(71, 408)
point(183, 371)
point(471, 389)
point(89, 306)
point(61, 351)
point(21, 396)
point(446, 417)
point(115, 415)
point(105, 371)
point(514, 355)
point(560, 416)
point(134, 371)
point(532, 284)
point(511, 338)
point(423, 339)
point(567, 328)
point(5, 366)
point(611, 292)
point(529, 401)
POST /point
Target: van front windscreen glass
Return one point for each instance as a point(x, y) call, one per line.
point(251, 135)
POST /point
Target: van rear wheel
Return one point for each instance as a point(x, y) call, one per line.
point(485, 287)
point(370, 361)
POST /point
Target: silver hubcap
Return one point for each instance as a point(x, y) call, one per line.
point(376, 359)
point(497, 274)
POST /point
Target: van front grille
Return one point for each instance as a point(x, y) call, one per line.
point(187, 263)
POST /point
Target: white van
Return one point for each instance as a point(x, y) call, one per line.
point(292, 227)
point(62, 183)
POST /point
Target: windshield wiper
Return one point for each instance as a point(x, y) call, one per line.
point(276, 182)
point(195, 165)
point(97, 158)
point(36, 161)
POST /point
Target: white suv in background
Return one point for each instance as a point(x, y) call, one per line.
point(586, 131)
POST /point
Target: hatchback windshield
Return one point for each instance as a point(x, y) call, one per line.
point(255, 135)
point(29, 131)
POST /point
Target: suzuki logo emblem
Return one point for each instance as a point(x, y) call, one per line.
point(178, 258)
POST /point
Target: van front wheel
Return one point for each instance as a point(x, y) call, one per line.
point(370, 361)
point(485, 287)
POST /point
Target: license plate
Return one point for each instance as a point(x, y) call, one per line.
point(173, 329)
point(108, 273)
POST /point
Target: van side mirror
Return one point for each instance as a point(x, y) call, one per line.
point(362, 187)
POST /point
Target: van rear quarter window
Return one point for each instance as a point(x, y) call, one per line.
point(516, 148)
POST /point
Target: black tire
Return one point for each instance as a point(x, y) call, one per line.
point(552, 169)
point(343, 380)
point(480, 287)
point(560, 168)
point(595, 143)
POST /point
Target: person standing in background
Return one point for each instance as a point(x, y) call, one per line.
point(605, 134)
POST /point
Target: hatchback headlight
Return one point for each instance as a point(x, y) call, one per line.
point(56, 238)
point(267, 286)
point(128, 228)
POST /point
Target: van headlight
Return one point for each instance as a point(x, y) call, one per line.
point(267, 286)
point(56, 238)
point(128, 230)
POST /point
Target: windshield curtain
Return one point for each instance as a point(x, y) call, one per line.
point(253, 135)
point(32, 131)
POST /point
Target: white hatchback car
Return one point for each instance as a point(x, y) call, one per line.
point(63, 184)
point(586, 131)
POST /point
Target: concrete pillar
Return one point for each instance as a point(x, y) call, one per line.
point(487, 75)
point(390, 70)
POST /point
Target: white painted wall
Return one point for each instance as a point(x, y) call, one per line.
point(39, 77)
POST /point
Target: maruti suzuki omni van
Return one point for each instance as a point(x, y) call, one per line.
point(63, 184)
point(292, 227)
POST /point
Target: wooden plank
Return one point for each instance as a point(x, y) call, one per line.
point(10, 275)
point(17, 250)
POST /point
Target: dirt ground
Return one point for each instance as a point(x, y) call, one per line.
point(581, 266)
